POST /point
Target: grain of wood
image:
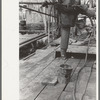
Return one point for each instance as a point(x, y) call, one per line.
point(91, 89)
point(53, 92)
point(80, 49)
point(67, 93)
point(83, 79)
point(32, 73)
point(81, 83)
point(35, 71)
point(31, 91)
point(40, 54)
point(66, 96)
point(27, 94)
point(50, 71)
point(29, 64)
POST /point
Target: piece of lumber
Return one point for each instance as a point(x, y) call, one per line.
point(79, 49)
point(52, 81)
point(58, 41)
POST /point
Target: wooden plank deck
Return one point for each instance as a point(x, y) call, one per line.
point(80, 49)
point(33, 73)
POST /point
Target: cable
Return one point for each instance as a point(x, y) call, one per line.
point(74, 96)
point(87, 84)
point(87, 81)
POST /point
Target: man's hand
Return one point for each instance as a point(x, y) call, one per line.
point(45, 4)
point(58, 6)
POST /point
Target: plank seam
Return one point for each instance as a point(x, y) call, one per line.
point(36, 76)
point(40, 92)
point(68, 82)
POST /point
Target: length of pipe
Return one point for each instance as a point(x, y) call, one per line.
point(36, 11)
point(31, 40)
point(37, 3)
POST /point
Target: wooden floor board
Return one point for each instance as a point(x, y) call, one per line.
point(80, 49)
point(39, 55)
point(51, 70)
point(28, 64)
point(34, 71)
point(30, 67)
point(91, 89)
point(83, 79)
point(53, 92)
point(37, 80)
point(31, 91)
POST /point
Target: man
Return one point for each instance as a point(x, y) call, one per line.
point(69, 10)
point(68, 17)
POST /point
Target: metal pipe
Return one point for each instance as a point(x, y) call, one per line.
point(31, 40)
point(37, 3)
point(36, 11)
point(28, 56)
point(31, 31)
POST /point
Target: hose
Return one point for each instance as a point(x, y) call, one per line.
point(74, 92)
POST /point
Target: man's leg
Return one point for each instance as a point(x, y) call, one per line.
point(64, 40)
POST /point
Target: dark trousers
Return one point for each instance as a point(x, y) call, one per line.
point(65, 32)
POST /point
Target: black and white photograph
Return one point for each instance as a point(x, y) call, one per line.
point(57, 50)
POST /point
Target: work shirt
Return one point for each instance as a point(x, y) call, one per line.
point(68, 13)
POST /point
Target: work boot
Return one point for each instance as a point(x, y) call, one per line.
point(63, 54)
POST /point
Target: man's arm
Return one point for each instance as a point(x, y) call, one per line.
point(73, 9)
point(83, 9)
point(60, 7)
point(91, 13)
point(65, 8)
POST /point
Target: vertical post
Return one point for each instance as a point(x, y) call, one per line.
point(48, 30)
point(91, 3)
point(50, 37)
point(45, 20)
